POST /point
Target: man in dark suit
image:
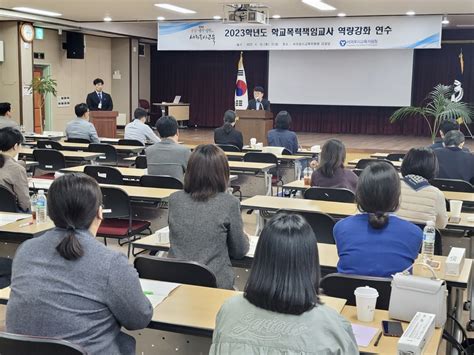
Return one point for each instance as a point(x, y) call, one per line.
point(99, 100)
point(258, 103)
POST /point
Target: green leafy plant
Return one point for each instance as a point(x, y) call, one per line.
point(43, 86)
point(437, 105)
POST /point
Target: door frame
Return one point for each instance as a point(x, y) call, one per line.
point(48, 121)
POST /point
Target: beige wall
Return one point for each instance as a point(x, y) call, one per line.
point(121, 87)
point(134, 75)
point(75, 76)
point(26, 61)
point(144, 75)
point(9, 69)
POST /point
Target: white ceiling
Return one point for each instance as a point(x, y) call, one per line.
point(137, 10)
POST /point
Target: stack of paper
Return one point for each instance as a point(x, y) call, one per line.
point(253, 245)
point(157, 291)
point(363, 334)
point(12, 217)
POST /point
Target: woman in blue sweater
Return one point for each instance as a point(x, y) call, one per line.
point(375, 242)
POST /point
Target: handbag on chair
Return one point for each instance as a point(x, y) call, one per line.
point(411, 294)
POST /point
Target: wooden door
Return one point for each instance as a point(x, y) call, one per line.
point(37, 101)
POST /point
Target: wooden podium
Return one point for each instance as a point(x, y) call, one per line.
point(105, 123)
point(254, 124)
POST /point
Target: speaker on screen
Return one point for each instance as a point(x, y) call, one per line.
point(74, 45)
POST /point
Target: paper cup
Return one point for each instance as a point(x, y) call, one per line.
point(366, 299)
point(455, 207)
point(253, 141)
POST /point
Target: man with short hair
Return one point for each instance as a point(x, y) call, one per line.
point(258, 102)
point(6, 116)
point(80, 127)
point(99, 100)
point(167, 157)
point(454, 163)
point(445, 127)
point(138, 129)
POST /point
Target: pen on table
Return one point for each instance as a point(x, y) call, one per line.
point(26, 224)
point(378, 339)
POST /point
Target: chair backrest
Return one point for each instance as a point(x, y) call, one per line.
point(452, 185)
point(161, 181)
point(173, 270)
point(169, 169)
point(116, 203)
point(7, 201)
point(343, 286)
point(132, 142)
point(395, 156)
point(357, 171)
point(329, 194)
point(110, 152)
point(140, 162)
point(286, 152)
point(78, 140)
point(273, 150)
point(143, 104)
point(14, 344)
point(363, 163)
point(49, 159)
point(229, 148)
point(322, 225)
point(104, 174)
point(258, 157)
point(49, 144)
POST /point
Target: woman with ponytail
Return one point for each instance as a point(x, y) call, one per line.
point(227, 134)
point(67, 285)
point(12, 174)
point(376, 242)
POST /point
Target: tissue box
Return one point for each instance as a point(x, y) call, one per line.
point(455, 261)
point(417, 334)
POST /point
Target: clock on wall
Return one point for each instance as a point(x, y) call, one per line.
point(27, 32)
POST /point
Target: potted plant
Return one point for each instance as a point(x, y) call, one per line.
point(43, 86)
point(437, 105)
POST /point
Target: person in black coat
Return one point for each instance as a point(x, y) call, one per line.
point(227, 134)
point(258, 103)
point(99, 100)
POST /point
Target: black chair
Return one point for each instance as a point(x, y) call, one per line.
point(286, 152)
point(49, 144)
point(161, 181)
point(15, 344)
point(270, 158)
point(322, 225)
point(395, 156)
point(78, 140)
point(452, 185)
point(228, 148)
point(5, 273)
point(357, 171)
point(118, 221)
point(49, 160)
point(104, 174)
point(132, 142)
point(329, 194)
point(110, 157)
point(140, 162)
point(7, 200)
point(363, 163)
point(173, 270)
point(343, 286)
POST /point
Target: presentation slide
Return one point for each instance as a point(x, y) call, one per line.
point(336, 77)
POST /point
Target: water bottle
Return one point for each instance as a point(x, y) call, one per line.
point(41, 207)
point(33, 200)
point(429, 234)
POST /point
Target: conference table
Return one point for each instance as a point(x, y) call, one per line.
point(52, 136)
point(183, 311)
point(69, 146)
point(299, 185)
point(396, 164)
point(68, 155)
point(337, 209)
point(20, 227)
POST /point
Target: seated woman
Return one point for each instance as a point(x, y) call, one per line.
point(281, 136)
point(375, 242)
point(205, 221)
point(67, 285)
point(331, 172)
point(421, 202)
point(12, 174)
point(280, 311)
point(227, 134)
